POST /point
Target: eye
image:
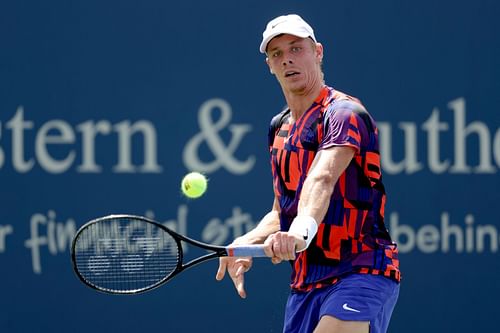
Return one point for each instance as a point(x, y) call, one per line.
point(296, 49)
point(276, 54)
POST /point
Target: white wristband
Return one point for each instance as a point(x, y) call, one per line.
point(305, 226)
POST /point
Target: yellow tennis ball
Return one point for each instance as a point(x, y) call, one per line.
point(193, 185)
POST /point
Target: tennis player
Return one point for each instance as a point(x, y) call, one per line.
point(328, 213)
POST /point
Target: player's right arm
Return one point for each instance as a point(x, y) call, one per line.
point(237, 267)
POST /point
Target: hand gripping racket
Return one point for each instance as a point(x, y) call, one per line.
point(127, 254)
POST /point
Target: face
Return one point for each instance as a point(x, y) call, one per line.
point(296, 62)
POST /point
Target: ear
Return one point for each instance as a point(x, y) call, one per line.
point(319, 52)
point(270, 69)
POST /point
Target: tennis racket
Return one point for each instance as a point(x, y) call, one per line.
point(128, 254)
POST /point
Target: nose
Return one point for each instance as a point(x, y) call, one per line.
point(289, 61)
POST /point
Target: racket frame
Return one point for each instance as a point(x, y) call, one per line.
point(217, 251)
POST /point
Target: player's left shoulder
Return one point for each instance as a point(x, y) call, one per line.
point(344, 108)
point(347, 102)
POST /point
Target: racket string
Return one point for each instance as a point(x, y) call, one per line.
point(123, 255)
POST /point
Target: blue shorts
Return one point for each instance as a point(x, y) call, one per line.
point(356, 297)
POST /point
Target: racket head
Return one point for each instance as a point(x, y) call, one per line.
point(125, 254)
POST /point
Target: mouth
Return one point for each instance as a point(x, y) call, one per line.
point(291, 73)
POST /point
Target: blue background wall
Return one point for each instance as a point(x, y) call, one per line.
point(187, 77)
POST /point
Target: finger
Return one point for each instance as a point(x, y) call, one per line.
point(241, 270)
point(283, 247)
point(292, 245)
point(277, 246)
point(268, 246)
point(276, 260)
point(268, 250)
point(245, 262)
point(239, 283)
point(222, 269)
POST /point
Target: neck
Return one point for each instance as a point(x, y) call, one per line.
point(299, 103)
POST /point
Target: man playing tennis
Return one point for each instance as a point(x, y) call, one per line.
point(328, 212)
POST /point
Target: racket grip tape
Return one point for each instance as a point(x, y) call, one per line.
point(253, 250)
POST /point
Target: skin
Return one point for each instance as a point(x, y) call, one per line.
point(296, 63)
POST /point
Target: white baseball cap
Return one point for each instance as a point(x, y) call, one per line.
point(287, 24)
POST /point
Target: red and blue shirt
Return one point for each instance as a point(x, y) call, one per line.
point(352, 238)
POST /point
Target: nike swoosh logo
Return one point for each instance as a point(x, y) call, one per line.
point(346, 307)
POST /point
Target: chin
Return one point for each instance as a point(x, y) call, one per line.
point(297, 89)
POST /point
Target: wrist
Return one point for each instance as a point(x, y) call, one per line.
point(246, 240)
point(240, 241)
point(305, 226)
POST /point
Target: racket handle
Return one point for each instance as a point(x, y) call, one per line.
point(252, 250)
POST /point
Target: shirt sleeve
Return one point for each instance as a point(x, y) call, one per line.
point(341, 126)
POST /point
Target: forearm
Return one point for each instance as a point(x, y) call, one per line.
point(268, 225)
point(321, 179)
point(315, 196)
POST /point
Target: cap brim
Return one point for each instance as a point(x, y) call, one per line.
point(265, 41)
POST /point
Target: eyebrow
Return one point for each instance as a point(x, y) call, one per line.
point(297, 40)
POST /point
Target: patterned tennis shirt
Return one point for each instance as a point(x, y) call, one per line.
point(352, 238)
